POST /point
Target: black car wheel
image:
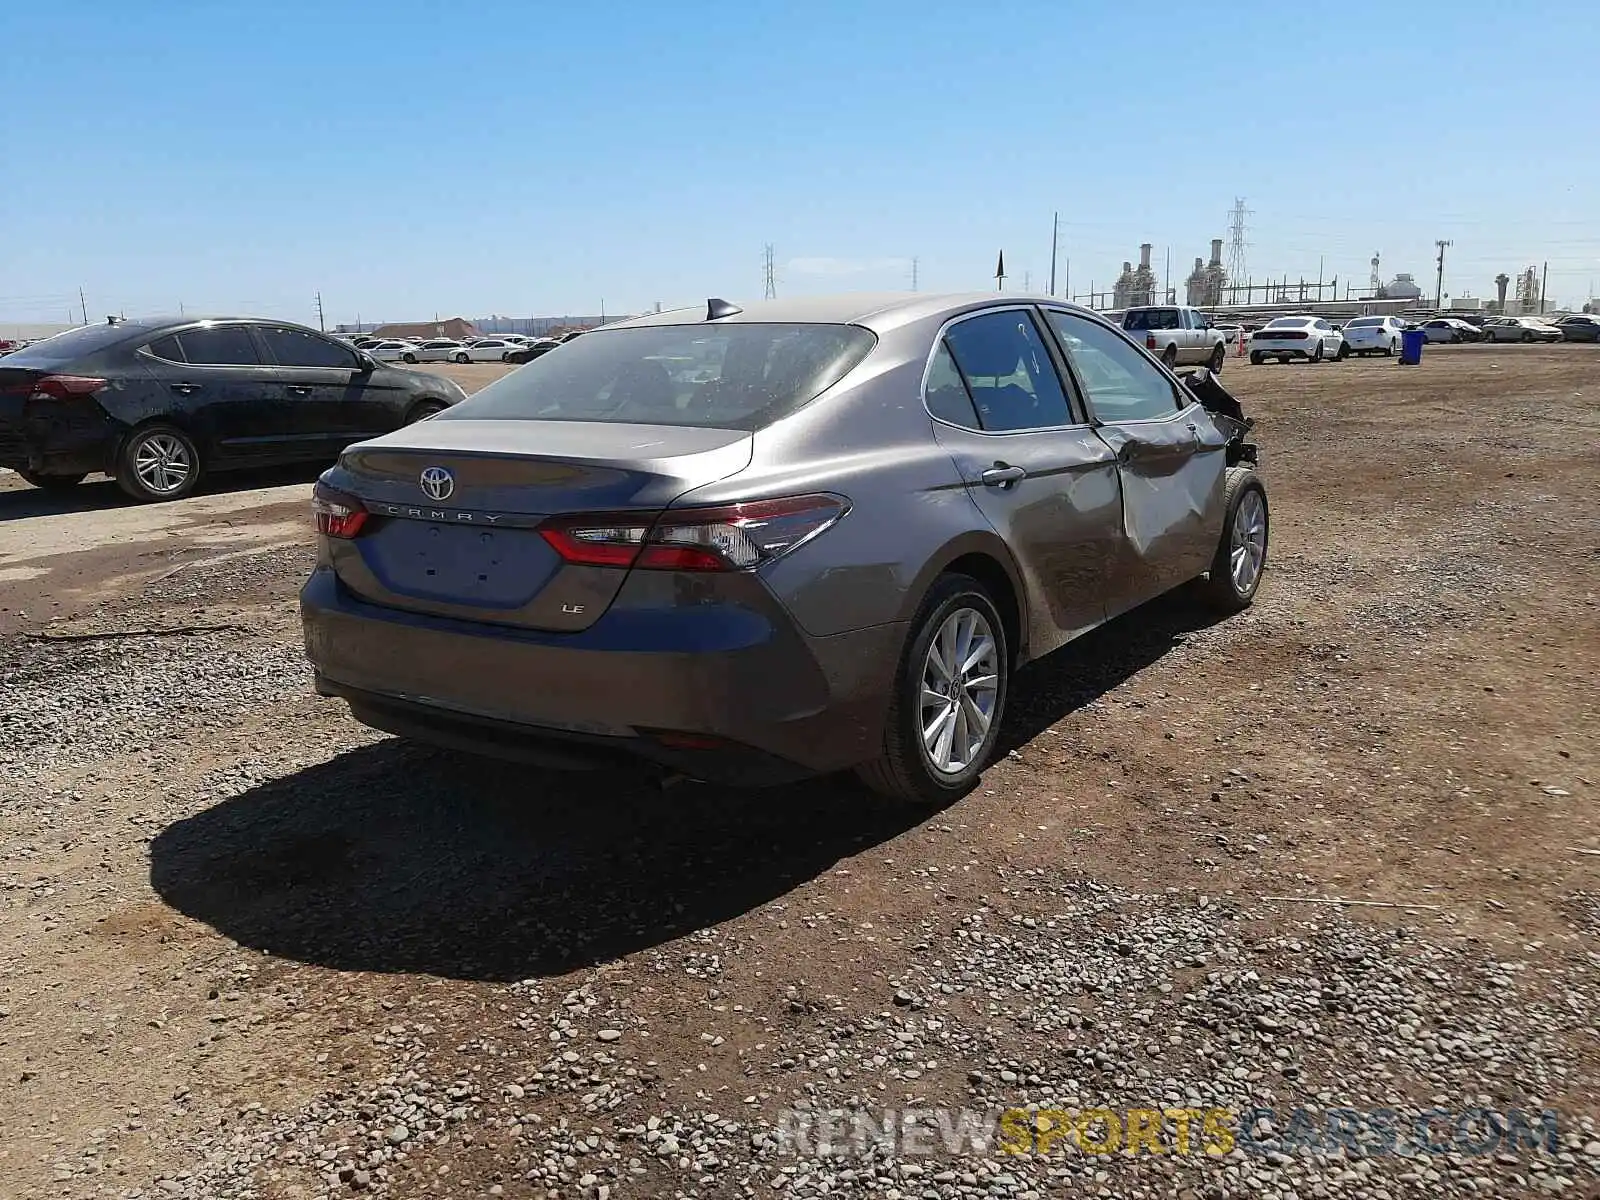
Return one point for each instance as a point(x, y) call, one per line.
point(1344, 351)
point(1317, 357)
point(1218, 357)
point(425, 409)
point(53, 483)
point(158, 462)
point(1169, 357)
point(1241, 556)
point(463, 359)
point(949, 698)
point(409, 357)
point(1255, 359)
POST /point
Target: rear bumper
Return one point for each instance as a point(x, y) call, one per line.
point(773, 703)
point(58, 437)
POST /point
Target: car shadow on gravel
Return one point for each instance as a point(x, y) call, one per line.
point(401, 858)
point(100, 492)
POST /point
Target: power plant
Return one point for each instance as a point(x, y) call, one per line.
point(1203, 288)
point(1136, 287)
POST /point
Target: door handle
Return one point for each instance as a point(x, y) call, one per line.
point(185, 389)
point(1002, 476)
point(298, 389)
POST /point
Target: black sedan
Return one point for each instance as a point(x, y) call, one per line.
point(531, 351)
point(1580, 327)
point(157, 403)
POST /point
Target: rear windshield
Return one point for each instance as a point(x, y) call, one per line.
point(1151, 318)
point(1364, 322)
point(1289, 323)
point(727, 376)
point(74, 343)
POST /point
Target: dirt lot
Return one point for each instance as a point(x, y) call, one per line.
point(250, 949)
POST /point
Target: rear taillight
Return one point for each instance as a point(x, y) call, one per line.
point(1149, 341)
point(338, 514)
point(731, 537)
point(65, 387)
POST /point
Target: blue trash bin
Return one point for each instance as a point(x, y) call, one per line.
point(1411, 343)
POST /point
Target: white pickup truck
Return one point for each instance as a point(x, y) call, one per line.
point(1178, 335)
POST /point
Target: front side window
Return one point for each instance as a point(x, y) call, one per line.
point(1013, 383)
point(1122, 383)
point(219, 346)
point(300, 348)
point(736, 376)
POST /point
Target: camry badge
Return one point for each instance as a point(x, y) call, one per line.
point(437, 483)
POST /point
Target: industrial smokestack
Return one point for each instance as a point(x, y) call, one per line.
point(1216, 252)
point(1198, 264)
point(1500, 282)
point(1144, 255)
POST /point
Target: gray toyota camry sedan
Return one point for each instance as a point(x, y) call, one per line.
point(749, 545)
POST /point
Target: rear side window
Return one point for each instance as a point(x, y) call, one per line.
point(167, 348)
point(947, 395)
point(219, 346)
point(299, 348)
point(738, 376)
point(1008, 372)
point(1122, 383)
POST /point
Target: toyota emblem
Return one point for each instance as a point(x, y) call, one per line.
point(437, 483)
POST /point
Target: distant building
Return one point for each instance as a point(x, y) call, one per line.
point(31, 333)
point(1404, 287)
point(450, 327)
point(1135, 287)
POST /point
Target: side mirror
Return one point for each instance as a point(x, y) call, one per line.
point(368, 363)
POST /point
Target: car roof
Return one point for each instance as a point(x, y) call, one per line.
point(878, 311)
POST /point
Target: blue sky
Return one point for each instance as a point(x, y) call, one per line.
point(409, 158)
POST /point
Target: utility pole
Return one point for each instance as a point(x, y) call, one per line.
point(321, 324)
point(1544, 282)
point(1055, 244)
point(1066, 282)
point(1166, 281)
point(914, 263)
point(83, 306)
point(1027, 281)
point(1438, 287)
point(1000, 273)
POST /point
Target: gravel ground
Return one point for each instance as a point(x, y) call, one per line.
point(249, 949)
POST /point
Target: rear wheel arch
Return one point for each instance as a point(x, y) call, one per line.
point(990, 565)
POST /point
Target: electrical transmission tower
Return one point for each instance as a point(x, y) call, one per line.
point(1238, 269)
point(1375, 281)
point(769, 275)
point(1438, 287)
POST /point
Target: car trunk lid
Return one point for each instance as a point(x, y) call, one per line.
point(456, 506)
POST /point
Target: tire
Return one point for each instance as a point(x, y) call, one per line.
point(905, 772)
point(1255, 359)
point(463, 359)
point(408, 357)
point(1343, 353)
point(1169, 357)
point(423, 410)
point(1219, 356)
point(1526, 336)
point(1221, 587)
point(1317, 357)
point(158, 462)
point(1388, 351)
point(53, 483)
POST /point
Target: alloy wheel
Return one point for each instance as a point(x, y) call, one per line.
point(163, 463)
point(1248, 542)
point(960, 688)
